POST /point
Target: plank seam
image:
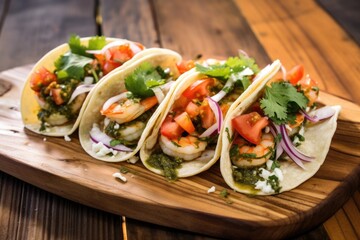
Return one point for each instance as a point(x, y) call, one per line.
point(156, 22)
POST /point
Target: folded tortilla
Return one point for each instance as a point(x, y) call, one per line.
point(317, 144)
point(114, 85)
point(30, 106)
point(210, 155)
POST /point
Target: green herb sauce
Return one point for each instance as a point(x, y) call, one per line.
point(167, 164)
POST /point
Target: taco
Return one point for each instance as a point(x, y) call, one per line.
point(185, 139)
point(57, 87)
point(124, 106)
point(277, 137)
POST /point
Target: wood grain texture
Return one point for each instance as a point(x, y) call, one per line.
point(15, 209)
point(196, 30)
point(346, 13)
point(65, 169)
point(300, 32)
point(130, 19)
point(30, 213)
point(34, 27)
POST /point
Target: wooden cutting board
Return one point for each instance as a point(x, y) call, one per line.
point(63, 168)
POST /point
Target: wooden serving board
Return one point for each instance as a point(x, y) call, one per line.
point(63, 168)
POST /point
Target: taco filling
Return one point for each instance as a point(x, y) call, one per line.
point(267, 135)
point(190, 130)
point(125, 115)
point(61, 93)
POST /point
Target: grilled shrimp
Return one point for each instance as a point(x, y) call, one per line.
point(131, 132)
point(128, 110)
point(187, 148)
point(261, 151)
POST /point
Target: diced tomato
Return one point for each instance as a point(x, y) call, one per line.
point(249, 126)
point(41, 78)
point(185, 122)
point(181, 102)
point(56, 95)
point(310, 89)
point(115, 57)
point(200, 88)
point(109, 66)
point(307, 83)
point(171, 129)
point(185, 66)
point(192, 109)
point(295, 74)
point(101, 59)
point(120, 54)
point(206, 114)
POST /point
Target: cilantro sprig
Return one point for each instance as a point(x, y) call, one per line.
point(143, 79)
point(72, 64)
point(282, 101)
point(95, 43)
point(232, 66)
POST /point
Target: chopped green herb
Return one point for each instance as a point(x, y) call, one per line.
point(232, 66)
point(124, 169)
point(230, 138)
point(95, 43)
point(176, 144)
point(142, 80)
point(282, 101)
point(275, 183)
point(168, 165)
point(71, 65)
point(247, 176)
point(274, 165)
point(224, 193)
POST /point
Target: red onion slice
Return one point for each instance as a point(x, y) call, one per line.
point(279, 148)
point(158, 94)
point(291, 148)
point(98, 136)
point(217, 112)
point(162, 90)
point(114, 99)
point(242, 52)
point(209, 131)
point(230, 83)
point(79, 90)
point(319, 114)
point(220, 95)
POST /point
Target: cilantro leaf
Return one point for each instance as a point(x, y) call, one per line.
point(76, 47)
point(95, 43)
point(232, 66)
point(217, 71)
point(282, 101)
point(71, 65)
point(237, 64)
point(142, 80)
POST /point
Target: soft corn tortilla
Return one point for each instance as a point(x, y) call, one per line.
point(317, 144)
point(30, 107)
point(209, 157)
point(114, 85)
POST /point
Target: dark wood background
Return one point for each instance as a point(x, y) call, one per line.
point(29, 29)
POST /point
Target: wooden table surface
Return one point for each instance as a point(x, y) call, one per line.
point(323, 35)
